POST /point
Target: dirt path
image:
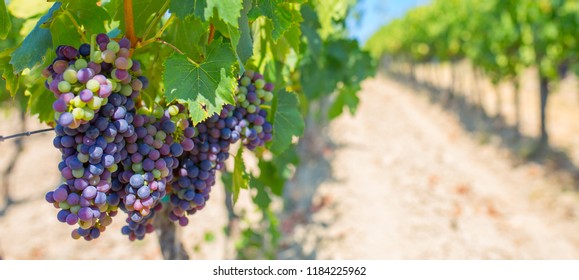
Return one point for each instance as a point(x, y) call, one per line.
point(411, 184)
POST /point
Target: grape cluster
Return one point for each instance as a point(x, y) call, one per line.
point(94, 114)
point(252, 92)
point(247, 121)
point(118, 154)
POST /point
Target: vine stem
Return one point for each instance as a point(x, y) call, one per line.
point(28, 133)
point(211, 34)
point(129, 22)
point(159, 34)
point(156, 20)
point(76, 25)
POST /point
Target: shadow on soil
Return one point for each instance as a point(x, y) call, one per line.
point(485, 128)
point(300, 203)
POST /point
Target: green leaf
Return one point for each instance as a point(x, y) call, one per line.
point(32, 50)
point(63, 31)
point(281, 14)
point(309, 28)
point(261, 198)
point(39, 101)
point(91, 16)
point(184, 8)
point(228, 11)
point(275, 172)
point(287, 122)
point(12, 80)
point(193, 44)
point(346, 98)
point(5, 23)
point(209, 84)
point(240, 177)
point(245, 46)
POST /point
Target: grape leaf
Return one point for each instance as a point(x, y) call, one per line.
point(12, 80)
point(184, 8)
point(240, 177)
point(63, 31)
point(39, 101)
point(275, 172)
point(228, 11)
point(346, 98)
point(193, 44)
point(261, 198)
point(5, 23)
point(32, 50)
point(309, 28)
point(245, 46)
point(281, 14)
point(287, 121)
point(89, 15)
point(210, 83)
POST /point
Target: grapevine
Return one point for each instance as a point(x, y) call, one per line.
point(147, 102)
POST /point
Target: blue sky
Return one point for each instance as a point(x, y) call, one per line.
point(376, 13)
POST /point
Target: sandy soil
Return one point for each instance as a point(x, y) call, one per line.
point(408, 183)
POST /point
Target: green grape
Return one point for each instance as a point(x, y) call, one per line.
point(80, 63)
point(241, 98)
point(64, 205)
point(113, 46)
point(85, 224)
point(108, 56)
point(95, 103)
point(245, 81)
point(96, 57)
point(259, 83)
point(183, 123)
point(126, 90)
point(244, 104)
point(88, 114)
point(77, 173)
point(103, 207)
point(161, 135)
point(69, 75)
point(76, 102)
point(93, 85)
point(82, 157)
point(74, 209)
point(251, 109)
point(64, 86)
point(158, 112)
point(137, 167)
point(173, 110)
point(113, 168)
point(156, 173)
point(268, 96)
point(258, 128)
point(260, 93)
point(78, 113)
point(242, 90)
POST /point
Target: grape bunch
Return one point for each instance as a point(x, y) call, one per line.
point(118, 154)
point(252, 92)
point(91, 130)
point(195, 175)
